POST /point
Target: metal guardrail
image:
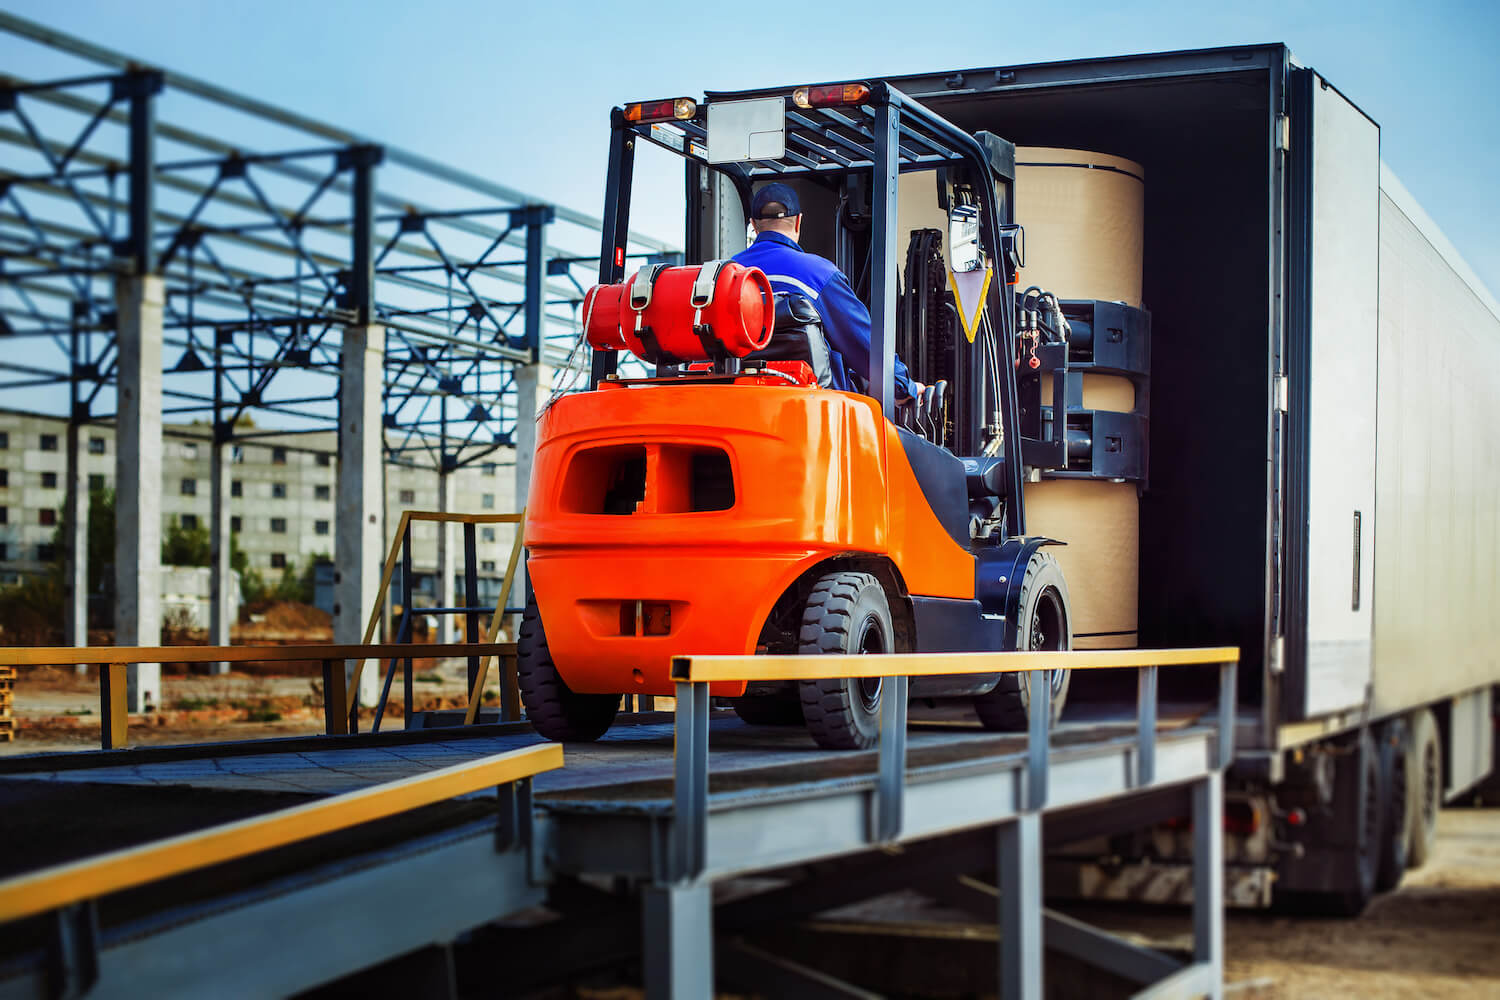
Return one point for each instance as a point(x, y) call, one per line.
point(81, 882)
point(113, 660)
point(693, 675)
point(479, 663)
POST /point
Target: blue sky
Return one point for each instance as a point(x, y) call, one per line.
point(520, 92)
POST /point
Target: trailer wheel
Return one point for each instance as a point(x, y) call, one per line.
point(1357, 826)
point(1046, 623)
point(784, 709)
point(1396, 828)
point(847, 614)
point(1424, 782)
point(552, 709)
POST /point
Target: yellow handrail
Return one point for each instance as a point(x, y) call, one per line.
point(696, 669)
point(63, 885)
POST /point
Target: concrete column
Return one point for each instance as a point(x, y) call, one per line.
point(533, 388)
point(222, 583)
point(76, 544)
point(359, 542)
point(445, 565)
point(138, 300)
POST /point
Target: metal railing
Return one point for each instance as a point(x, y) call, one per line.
point(479, 662)
point(82, 882)
point(337, 713)
point(694, 674)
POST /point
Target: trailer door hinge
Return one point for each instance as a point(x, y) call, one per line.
point(1279, 392)
point(1283, 133)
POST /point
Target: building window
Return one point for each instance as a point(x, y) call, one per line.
point(278, 491)
point(96, 446)
point(47, 516)
point(489, 468)
point(278, 560)
point(487, 534)
point(189, 488)
point(487, 501)
point(487, 566)
point(278, 456)
point(4, 478)
point(237, 455)
point(49, 480)
point(190, 451)
point(96, 482)
point(4, 552)
point(49, 442)
point(408, 496)
point(234, 524)
point(322, 492)
point(278, 525)
point(4, 439)
point(189, 522)
point(325, 459)
point(4, 515)
point(236, 488)
point(45, 552)
point(321, 527)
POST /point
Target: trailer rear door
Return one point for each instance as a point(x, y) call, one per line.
point(1333, 240)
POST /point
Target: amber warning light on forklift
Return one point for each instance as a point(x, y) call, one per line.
point(830, 95)
point(672, 109)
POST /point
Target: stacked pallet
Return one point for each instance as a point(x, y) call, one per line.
point(7, 704)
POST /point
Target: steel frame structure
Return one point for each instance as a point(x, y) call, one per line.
point(266, 257)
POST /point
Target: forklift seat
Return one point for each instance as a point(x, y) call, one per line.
point(798, 336)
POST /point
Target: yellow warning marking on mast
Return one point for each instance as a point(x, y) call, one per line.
point(970, 292)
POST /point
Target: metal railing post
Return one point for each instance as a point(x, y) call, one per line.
point(1228, 682)
point(690, 782)
point(408, 620)
point(471, 597)
point(335, 708)
point(113, 713)
point(890, 786)
point(1145, 720)
point(1038, 739)
point(1208, 875)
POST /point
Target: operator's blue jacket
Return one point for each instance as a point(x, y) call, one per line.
point(846, 321)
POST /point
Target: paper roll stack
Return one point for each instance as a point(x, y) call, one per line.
point(1084, 218)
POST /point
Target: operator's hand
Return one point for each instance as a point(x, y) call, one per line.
point(917, 389)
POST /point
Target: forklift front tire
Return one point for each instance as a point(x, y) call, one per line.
point(1046, 623)
point(553, 709)
point(845, 615)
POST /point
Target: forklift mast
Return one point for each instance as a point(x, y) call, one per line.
point(855, 140)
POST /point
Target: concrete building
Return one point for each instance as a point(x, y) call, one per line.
point(282, 498)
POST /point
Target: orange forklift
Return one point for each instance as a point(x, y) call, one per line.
point(728, 502)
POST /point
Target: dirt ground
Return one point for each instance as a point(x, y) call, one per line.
point(1437, 935)
point(57, 709)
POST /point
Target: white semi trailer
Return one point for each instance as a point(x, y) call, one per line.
point(1323, 487)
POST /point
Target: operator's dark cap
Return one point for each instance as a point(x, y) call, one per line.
point(775, 193)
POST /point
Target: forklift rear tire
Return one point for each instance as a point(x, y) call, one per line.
point(845, 615)
point(1046, 623)
point(552, 708)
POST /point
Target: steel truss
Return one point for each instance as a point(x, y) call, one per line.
point(266, 258)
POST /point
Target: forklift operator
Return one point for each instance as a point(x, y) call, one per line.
point(776, 214)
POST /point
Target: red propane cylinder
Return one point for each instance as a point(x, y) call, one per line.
point(739, 316)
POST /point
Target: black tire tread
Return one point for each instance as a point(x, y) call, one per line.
point(554, 710)
point(827, 620)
